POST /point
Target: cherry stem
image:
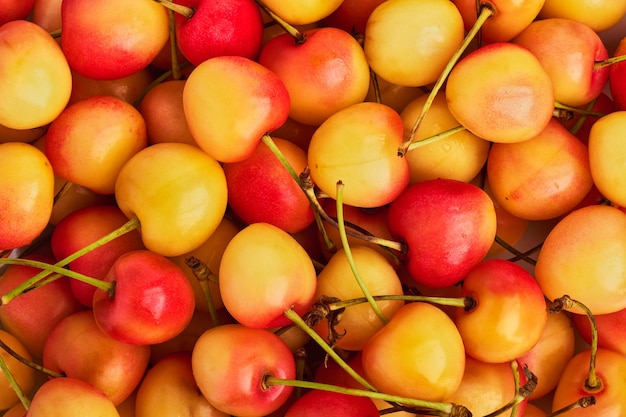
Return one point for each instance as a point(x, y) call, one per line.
point(444, 409)
point(173, 46)
point(300, 358)
point(298, 321)
point(47, 269)
point(188, 12)
point(486, 11)
point(350, 258)
point(561, 106)
point(592, 383)
point(298, 36)
point(29, 363)
point(514, 251)
point(467, 303)
point(66, 187)
point(157, 81)
point(56, 33)
point(203, 274)
point(305, 183)
point(609, 61)
point(375, 86)
point(521, 393)
point(14, 384)
point(581, 120)
point(434, 138)
point(582, 402)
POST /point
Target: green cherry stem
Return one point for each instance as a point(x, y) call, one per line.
point(203, 274)
point(305, 183)
point(14, 385)
point(466, 303)
point(66, 187)
point(298, 36)
point(593, 382)
point(609, 61)
point(581, 120)
point(521, 393)
point(434, 138)
point(56, 34)
point(561, 106)
point(514, 251)
point(346, 247)
point(486, 11)
point(299, 321)
point(583, 402)
point(173, 46)
point(47, 269)
point(444, 409)
point(188, 12)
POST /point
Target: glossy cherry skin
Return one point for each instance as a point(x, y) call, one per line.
point(230, 370)
point(510, 312)
point(152, 301)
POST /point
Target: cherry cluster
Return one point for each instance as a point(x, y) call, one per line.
point(309, 208)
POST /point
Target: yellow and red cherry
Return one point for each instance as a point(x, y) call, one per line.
point(448, 227)
point(91, 140)
point(540, 178)
point(230, 371)
point(230, 102)
point(510, 312)
point(330, 60)
point(178, 193)
point(409, 42)
point(428, 357)
point(332, 404)
point(35, 78)
point(260, 189)
point(501, 93)
point(27, 183)
point(575, 78)
point(288, 276)
point(584, 256)
point(302, 12)
point(151, 301)
point(599, 15)
point(127, 36)
point(358, 146)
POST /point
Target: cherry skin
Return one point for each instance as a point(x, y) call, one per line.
point(260, 189)
point(448, 227)
point(29, 53)
point(27, 183)
point(358, 146)
point(178, 193)
point(428, 357)
point(303, 12)
point(230, 102)
point(84, 227)
point(390, 40)
point(590, 245)
point(540, 178)
point(289, 278)
point(233, 28)
point(516, 102)
point(486, 387)
point(169, 387)
point(15, 10)
point(510, 312)
point(331, 404)
point(152, 301)
point(610, 396)
point(77, 348)
point(126, 35)
point(551, 353)
point(91, 140)
point(129, 88)
point(610, 327)
point(575, 80)
point(606, 156)
point(330, 60)
point(598, 15)
point(70, 397)
point(230, 371)
point(617, 77)
point(162, 110)
point(352, 15)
